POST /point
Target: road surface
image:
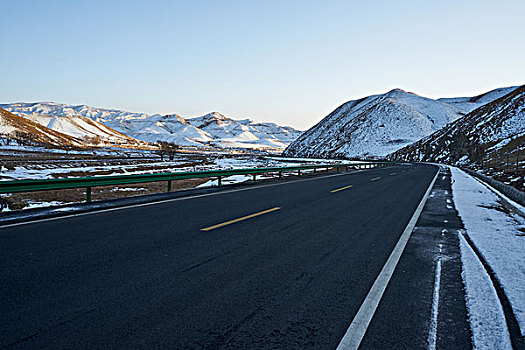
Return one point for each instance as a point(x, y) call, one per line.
point(280, 265)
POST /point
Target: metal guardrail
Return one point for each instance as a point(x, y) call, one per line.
point(13, 186)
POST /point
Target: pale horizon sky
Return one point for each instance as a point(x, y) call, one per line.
point(290, 62)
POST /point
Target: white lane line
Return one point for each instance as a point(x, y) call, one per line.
point(95, 211)
point(355, 333)
point(432, 333)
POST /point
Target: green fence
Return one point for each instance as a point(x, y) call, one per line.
point(89, 182)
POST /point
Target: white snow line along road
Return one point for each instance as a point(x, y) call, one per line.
point(432, 334)
point(355, 333)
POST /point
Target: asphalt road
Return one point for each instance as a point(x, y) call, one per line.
point(292, 274)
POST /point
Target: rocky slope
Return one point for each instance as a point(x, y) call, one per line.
point(481, 136)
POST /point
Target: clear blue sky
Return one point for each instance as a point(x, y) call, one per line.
point(291, 62)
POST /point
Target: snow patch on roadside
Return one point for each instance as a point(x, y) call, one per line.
point(32, 204)
point(487, 321)
point(495, 232)
point(227, 180)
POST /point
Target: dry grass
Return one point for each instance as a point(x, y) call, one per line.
point(17, 201)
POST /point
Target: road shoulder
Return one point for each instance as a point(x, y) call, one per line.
point(424, 304)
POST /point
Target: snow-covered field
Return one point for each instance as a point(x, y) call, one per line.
point(50, 170)
point(499, 234)
point(48, 165)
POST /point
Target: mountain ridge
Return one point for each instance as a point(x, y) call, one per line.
point(374, 125)
point(484, 133)
point(377, 125)
point(230, 133)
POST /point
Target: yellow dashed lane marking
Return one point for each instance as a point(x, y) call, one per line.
point(240, 219)
point(342, 188)
point(375, 178)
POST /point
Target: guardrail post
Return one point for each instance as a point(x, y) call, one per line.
point(315, 169)
point(88, 194)
point(346, 168)
point(169, 186)
point(219, 182)
point(280, 174)
point(254, 177)
point(299, 172)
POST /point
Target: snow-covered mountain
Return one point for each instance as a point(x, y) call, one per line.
point(83, 128)
point(27, 131)
point(374, 126)
point(171, 128)
point(213, 129)
point(378, 125)
point(244, 133)
point(495, 128)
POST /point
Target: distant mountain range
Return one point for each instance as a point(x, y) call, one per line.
point(117, 126)
point(481, 136)
point(397, 124)
point(378, 125)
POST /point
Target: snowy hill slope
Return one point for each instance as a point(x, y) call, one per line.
point(212, 129)
point(27, 130)
point(374, 126)
point(468, 104)
point(487, 131)
point(83, 128)
point(141, 126)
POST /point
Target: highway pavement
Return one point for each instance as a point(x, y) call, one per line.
point(277, 265)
